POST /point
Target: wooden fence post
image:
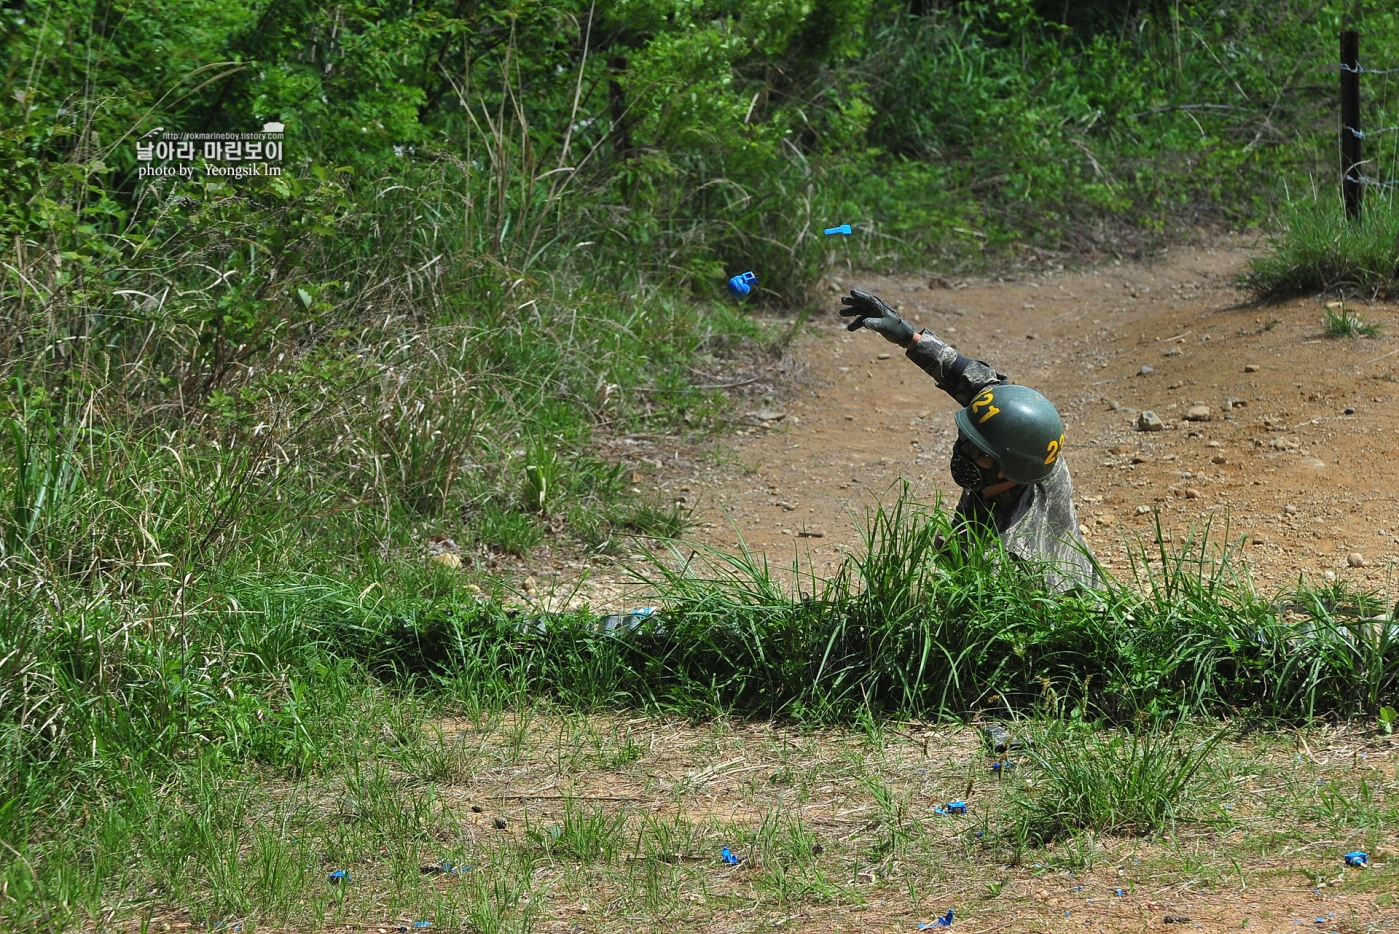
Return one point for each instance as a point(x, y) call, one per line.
point(1351, 186)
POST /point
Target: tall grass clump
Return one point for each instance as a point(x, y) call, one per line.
point(1135, 781)
point(1319, 249)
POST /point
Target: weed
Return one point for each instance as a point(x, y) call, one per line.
point(1341, 323)
point(1132, 782)
point(896, 828)
point(618, 750)
point(507, 530)
point(653, 520)
point(541, 483)
point(445, 759)
point(584, 834)
point(788, 852)
point(667, 839)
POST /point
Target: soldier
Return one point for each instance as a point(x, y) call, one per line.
point(1007, 457)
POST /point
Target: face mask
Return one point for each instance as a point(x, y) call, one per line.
point(966, 472)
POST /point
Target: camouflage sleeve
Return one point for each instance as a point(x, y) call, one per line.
point(958, 376)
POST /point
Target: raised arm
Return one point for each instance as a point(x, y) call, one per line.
point(960, 377)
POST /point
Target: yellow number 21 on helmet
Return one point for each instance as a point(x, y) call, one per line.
point(984, 401)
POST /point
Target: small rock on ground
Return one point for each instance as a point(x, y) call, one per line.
point(1197, 413)
point(1149, 421)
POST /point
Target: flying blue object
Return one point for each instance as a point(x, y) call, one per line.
point(743, 283)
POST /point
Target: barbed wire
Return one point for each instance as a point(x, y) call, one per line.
point(1365, 180)
point(1372, 182)
point(1359, 134)
point(1362, 70)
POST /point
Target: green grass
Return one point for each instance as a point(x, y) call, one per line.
point(825, 821)
point(1132, 782)
point(1318, 250)
point(1341, 323)
point(219, 681)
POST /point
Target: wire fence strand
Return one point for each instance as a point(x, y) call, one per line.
point(1367, 134)
point(1362, 70)
point(1371, 182)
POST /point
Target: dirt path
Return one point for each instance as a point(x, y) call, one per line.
point(1313, 427)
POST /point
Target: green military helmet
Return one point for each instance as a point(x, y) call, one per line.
point(1018, 427)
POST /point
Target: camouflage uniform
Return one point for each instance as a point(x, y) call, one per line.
point(1036, 522)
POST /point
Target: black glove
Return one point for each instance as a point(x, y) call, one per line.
point(871, 312)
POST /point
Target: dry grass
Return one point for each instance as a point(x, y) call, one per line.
point(616, 824)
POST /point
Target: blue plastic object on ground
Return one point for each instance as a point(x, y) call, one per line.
point(743, 283)
point(1118, 892)
point(944, 922)
point(1358, 859)
point(1002, 766)
point(339, 876)
point(957, 807)
point(842, 229)
point(728, 857)
point(446, 867)
point(628, 622)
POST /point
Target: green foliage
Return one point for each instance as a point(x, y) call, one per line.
point(903, 630)
point(284, 669)
point(585, 834)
